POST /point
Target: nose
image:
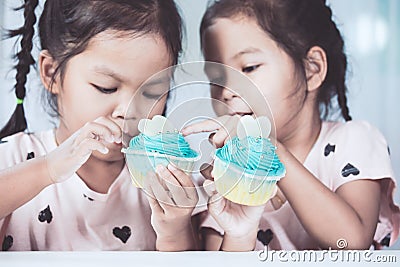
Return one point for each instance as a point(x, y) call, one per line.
point(228, 94)
point(124, 109)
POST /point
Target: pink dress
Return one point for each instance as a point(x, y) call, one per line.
point(343, 152)
point(69, 215)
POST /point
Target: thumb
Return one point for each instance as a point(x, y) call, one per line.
point(216, 205)
point(209, 188)
point(205, 170)
point(216, 202)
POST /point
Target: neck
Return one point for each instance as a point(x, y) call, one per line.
point(302, 133)
point(98, 174)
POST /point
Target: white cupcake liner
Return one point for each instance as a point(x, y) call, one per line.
point(241, 187)
point(141, 162)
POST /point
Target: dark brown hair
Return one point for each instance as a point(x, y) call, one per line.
point(67, 26)
point(296, 26)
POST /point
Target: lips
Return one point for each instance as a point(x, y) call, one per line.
point(241, 113)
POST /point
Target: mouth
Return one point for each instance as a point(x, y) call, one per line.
point(116, 146)
point(241, 113)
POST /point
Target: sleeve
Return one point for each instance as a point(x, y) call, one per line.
point(9, 152)
point(361, 152)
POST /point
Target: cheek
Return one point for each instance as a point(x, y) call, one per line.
point(220, 108)
point(156, 108)
point(216, 92)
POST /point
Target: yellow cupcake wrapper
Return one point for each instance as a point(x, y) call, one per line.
point(141, 162)
point(241, 187)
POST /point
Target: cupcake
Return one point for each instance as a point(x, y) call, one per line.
point(158, 143)
point(246, 169)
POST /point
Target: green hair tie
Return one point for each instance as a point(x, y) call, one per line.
point(19, 101)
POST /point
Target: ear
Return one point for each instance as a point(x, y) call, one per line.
point(47, 68)
point(316, 67)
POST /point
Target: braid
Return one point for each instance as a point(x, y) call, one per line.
point(341, 87)
point(335, 81)
point(340, 67)
point(17, 122)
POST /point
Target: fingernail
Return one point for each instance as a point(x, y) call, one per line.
point(104, 151)
point(184, 131)
point(160, 168)
point(172, 167)
point(118, 140)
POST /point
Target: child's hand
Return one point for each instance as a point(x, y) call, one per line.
point(224, 126)
point(172, 197)
point(76, 150)
point(239, 222)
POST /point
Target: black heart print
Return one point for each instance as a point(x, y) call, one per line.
point(265, 237)
point(89, 198)
point(386, 241)
point(328, 149)
point(349, 169)
point(45, 215)
point(122, 233)
point(30, 155)
point(7, 243)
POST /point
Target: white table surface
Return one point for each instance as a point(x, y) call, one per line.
point(187, 259)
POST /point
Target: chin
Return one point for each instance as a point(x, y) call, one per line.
point(111, 156)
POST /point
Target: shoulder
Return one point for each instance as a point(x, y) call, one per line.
point(341, 130)
point(23, 146)
point(354, 134)
point(355, 150)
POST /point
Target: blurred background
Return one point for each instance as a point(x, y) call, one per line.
point(371, 29)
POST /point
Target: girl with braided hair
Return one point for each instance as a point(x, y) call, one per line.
point(338, 188)
point(68, 188)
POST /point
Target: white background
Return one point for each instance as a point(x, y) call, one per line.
point(371, 29)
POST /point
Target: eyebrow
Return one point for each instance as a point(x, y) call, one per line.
point(249, 50)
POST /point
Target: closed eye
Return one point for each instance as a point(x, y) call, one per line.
point(105, 90)
point(151, 96)
point(250, 68)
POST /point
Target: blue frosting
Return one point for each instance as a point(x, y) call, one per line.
point(254, 155)
point(171, 144)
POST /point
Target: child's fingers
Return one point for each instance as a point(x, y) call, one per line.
point(206, 126)
point(226, 132)
point(186, 182)
point(87, 146)
point(216, 206)
point(216, 202)
point(159, 191)
point(173, 186)
point(222, 136)
point(180, 176)
point(205, 170)
point(154, 205)
point(111, 125)
point(209, 187)
point(95, 131)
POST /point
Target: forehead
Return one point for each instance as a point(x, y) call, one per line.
point(126, 54)
point(233, 35)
